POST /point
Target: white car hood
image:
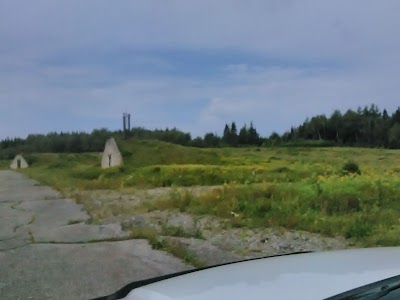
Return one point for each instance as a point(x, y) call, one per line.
point(300, 276)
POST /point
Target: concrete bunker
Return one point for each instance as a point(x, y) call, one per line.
point(19, 162)
point(111, 156)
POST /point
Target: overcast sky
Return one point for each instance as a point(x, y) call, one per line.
point(76, 65)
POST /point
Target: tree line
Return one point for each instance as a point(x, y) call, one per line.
point(364, 127)
point(77, 142)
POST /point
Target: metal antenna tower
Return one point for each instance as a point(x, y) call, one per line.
point(126, 120)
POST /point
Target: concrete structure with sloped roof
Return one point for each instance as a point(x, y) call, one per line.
point(19, 162)
point(111, 156)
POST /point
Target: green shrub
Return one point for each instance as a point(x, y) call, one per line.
point(351, 167)
point(358, 229)
point(150, 234)
point(31, 159)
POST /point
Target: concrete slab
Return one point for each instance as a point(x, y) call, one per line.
point(79, 271)
point(38, 261)
point(78, 233)
point(11, 220)
point(15, 242)
point(15, 186)
point(51, 213)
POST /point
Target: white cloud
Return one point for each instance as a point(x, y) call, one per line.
point(277, 99)
point(298, 58)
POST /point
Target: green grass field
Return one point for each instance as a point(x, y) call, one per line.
point(293, 187)
point(4, 164)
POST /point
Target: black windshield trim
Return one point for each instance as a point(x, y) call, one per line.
point(357, 292)
point(123, 292)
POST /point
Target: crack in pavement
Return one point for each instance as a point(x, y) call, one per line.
point(76, 243)
point(14, 206)
point(19, 226)
point(32, 242)
point(14, 248)
point(44, 256)
point(7, 239)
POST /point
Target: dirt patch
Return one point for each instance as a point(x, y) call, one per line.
point(213, 240)
point(206, 252)
point(246, 243)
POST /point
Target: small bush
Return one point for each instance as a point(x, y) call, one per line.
point(31, 159)
point(358, 229)
point(351, 167)
point(149, 234)
point(178, 250)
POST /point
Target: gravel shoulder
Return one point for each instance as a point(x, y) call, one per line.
point(212, 240)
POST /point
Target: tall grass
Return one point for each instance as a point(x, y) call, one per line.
point(158, 164)
point(364, 208)
point(4, 164)
point(313, 189)
point(169, 245)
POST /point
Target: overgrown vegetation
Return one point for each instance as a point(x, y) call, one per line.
point(158, 164)
point(333, 191)
point(161, 243)
point(4, 164)
point(365, 208)
point(181, 232)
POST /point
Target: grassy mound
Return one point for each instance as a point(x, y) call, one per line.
point(314, 189)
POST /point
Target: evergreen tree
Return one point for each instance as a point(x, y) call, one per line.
point(226, 138)
point(244, 136)
point(254, 137)
point(233, 140)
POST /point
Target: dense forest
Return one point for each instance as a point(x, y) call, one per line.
point(76, 142)
point(365, 127)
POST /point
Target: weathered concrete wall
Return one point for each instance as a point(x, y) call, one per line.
point(111, 155)
point(19, 162)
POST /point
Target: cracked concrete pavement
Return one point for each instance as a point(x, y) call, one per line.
point(48, 251)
